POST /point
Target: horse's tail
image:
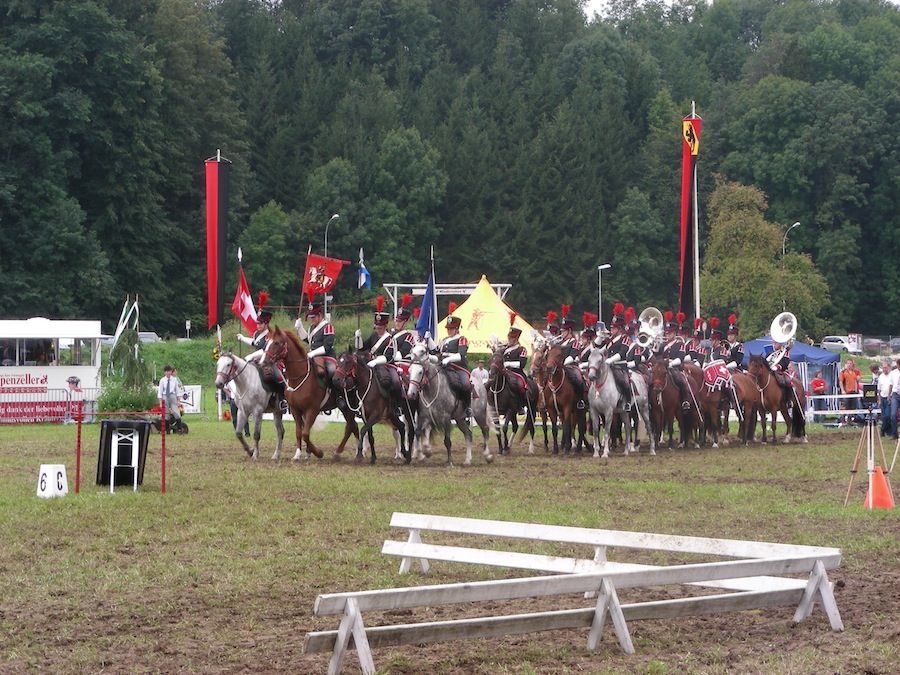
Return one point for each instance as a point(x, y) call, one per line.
point(798, 420)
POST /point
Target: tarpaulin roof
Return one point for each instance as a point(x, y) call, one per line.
point(800, 353)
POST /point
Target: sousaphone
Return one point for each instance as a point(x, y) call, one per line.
point(651, 320)
point(783, 328)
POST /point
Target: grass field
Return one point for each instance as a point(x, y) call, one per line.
point(220, 573)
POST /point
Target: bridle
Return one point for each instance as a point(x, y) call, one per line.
point(233, 371)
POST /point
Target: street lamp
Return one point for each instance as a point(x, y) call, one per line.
point(334, 217)
point(783, 244)
point(600, 268)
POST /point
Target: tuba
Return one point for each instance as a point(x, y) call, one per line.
point(783, 328)
point(651, 320)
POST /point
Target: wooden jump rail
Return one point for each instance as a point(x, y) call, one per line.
point(753, 582)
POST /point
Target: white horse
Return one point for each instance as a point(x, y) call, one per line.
point(604, 399)
point(439, 407)
point(251, 398)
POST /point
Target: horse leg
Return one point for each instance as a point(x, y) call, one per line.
point(279, 430)
point(447, 443)
point(467, 433)
point(241, 421)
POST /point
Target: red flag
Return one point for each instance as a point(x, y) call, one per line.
point(217, 173)
point(320, 274)
point(688, 296)
point(243, 305)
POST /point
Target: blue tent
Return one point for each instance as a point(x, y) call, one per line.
point(800, 353)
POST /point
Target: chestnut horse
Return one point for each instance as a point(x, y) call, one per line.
point(710, 396)
point(772, 399)
point(505, 398)
point(365, 398)
point(538, 372)
point(304, 392)
point(665, 404)
point(562, 401)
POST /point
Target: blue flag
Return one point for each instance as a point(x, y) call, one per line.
point(428, 319)
point(365, 279)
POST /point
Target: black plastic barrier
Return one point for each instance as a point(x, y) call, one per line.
point(112, 440)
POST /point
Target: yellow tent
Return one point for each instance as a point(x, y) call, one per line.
point(484, 315)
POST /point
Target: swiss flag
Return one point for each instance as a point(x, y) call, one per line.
point(243, 305)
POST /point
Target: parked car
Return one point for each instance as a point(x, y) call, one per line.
point(874, 347)
point(895, 345)
point(148, 336)
point(839, 343)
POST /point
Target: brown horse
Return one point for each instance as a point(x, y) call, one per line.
point(305, 393)
point(665, 405)
point(539, 373)
point(772, 400)
point(710, 395)
point(746, 399)
point(562, 401)
point(366, 399)
point(506, 398)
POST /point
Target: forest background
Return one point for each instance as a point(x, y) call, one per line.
point(518, 138)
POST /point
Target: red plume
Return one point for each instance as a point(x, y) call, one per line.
point(379, 303)
point(451, 308)
point(564, 310)
point(697, 323)
point(416, 312)
point(680, 318)
point(263, 296)
point(551, 317)
point(629, 314)
point(732, 319)
point(512, 318)
point(587, 319)
point(618, 308)
point(714, 322)
point(668, 316)
point(406, 299)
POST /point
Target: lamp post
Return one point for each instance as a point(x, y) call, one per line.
point(600, 268)
point(334, 217)
point(783, 244)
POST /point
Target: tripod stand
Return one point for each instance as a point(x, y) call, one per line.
point(869, 436)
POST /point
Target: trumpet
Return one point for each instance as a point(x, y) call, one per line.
point(651, 329)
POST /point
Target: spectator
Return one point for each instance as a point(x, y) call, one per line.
point(167, 393)
point(884, 397)
point(75, 399)
point(895, 399)
point(480, 373)
point(819, 387)
point(849, 383)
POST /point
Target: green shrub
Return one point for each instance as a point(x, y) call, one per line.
point(117, 397)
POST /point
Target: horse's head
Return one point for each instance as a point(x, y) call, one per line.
point(597, 365)
point(225, 369)
point(346, 370)
point(555, 359)
point(757, 365)
point(659, 371)
point(419, 353)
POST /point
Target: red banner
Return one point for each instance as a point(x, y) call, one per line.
point(690, 131)
point(243, 305)
point(216, 237)
point(320, 274)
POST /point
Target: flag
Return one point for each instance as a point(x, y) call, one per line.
point(365, 279)
point(217, 173)
point(428, 319)
point(320, 274)
point(243, 304)
point(689, 290)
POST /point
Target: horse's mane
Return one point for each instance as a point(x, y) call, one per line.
point(757, 358)
point(293, 338)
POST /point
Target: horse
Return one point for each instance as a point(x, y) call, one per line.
point(665, 404)
point(252, 399)
point(538, 373)
point(366, 399)
point(305, 394)
point(559, 390)
point(503, 392)
point(439, 406)
point(711, 384)
point(746, 400)
point(603, 399)
point(771, 400)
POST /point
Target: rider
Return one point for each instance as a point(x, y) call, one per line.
point(615, 349)
point(381, 347)
point(696, 351)
point(718, 350)
point(320, 338)
point(586, 340)
point(637, 357)
point(673, 349)
point(735, 358)
point(258, 341)
point(779, 360)
point(515, 355)
point(404, 338)
point(567, 341)
point(453, 350)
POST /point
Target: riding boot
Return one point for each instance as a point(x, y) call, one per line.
point(285, 408)
point(466, 398)
point(683, 390)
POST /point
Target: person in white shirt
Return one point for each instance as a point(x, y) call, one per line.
point(167, 393)
point(480, 373)
point(895, 399)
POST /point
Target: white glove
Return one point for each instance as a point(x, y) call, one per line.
point(674, 362)
point(398, 357)
point(569, 360)
point(615, 358)
point(433, 358)
point(301, 331)
point(732, 365)
point(318, 351)
point(630, 364)
point(583, 365)
point(688, 359)
point(358, 339)
point(429, 341)
point(377, 361)
point(451, 358)
point(244, 339)
point(774, 369)
point(511, 364)
point(257, 355)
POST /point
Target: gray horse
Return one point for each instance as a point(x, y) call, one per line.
point(439, 407)
point(603, 399)
point(251, 398)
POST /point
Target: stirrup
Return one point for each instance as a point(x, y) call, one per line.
point(581, 405)
point(626, 407)
point(285, 408)
point(469, 412)
point(685, 405)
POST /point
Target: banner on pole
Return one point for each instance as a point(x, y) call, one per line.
point(243, 304)
point(321, 274)
point(689, 284)
point(217, 183)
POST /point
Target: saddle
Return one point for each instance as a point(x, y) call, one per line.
point(388, 380)
point(271, 380)
point(324, 366)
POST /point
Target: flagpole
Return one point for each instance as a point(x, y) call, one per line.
point(696, 225)
point(434, 307)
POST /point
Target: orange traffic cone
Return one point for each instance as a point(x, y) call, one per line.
point(879, 495)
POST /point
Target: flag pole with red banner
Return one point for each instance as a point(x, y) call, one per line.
point(242, 306)
point(320, 274)
point(689, 288)
point(217, 182)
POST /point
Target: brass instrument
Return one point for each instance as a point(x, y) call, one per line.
point(651, 320)
point(783, 329)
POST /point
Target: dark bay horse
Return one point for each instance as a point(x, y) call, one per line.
point(504, 391)
point(562, 401)
point(304, 391)
point(538, 370)
point(772, 399)
point(665, 404)
point(371, 403)
point(746, 399)
point(711, 385)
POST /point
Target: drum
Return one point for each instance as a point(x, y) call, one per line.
point(716, 375)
